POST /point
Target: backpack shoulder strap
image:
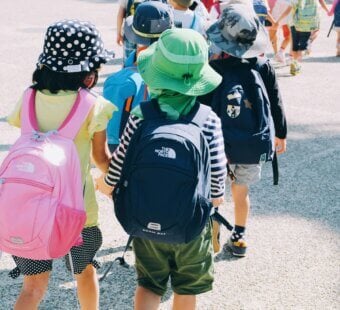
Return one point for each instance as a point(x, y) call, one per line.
point(81, 108)
point(255, 69)
point(28, 117)
point(193, 23)
point(151, 110)
point(201, 114)
point(125, 113)
point(128, 7)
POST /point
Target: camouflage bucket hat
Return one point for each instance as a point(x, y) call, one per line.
point(238, 32)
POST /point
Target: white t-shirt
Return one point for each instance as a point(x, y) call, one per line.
point(188, 19)
point(279, 7)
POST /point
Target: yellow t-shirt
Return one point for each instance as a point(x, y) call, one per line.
point(51, 110)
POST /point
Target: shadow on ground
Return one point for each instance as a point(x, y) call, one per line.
point(329, 59)
point(308, 187)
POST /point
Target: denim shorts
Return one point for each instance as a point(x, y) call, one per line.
point(188, 265)
point(246, 174)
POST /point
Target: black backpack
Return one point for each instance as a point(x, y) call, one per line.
point(164, 190)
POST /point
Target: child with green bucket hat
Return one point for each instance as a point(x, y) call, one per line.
point(176, 70)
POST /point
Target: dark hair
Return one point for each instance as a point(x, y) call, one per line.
point(44, 78)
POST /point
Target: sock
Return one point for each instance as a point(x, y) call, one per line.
point(238, 233)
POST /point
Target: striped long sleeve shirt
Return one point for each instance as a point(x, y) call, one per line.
point(213, 134)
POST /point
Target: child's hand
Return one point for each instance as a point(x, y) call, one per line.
point(217, 201)
point(280, 145)
point(119, 39)
point(103, 187)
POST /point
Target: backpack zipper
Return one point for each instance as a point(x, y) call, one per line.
point(27, 182)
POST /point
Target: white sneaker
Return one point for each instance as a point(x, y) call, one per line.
point(280, 57)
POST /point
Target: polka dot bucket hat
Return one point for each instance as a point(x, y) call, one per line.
point(73, 46)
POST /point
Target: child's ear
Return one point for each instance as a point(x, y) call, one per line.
point(90, 80)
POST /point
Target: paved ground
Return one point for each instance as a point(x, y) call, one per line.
point(293, 260)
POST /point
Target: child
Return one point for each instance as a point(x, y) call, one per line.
point(186, 18)
point(126, 8)
point(305, 23)
point(278, 7)
point(262, 10)
point(176, 70)
point(126, 88)
point(335, 10)
point(72, 55)
point(241, 49)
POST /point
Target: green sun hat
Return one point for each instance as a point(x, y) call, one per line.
point(178, 61)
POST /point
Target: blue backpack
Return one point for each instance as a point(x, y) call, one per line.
point(126, 89)
point(241, 101)
point(164, 190)
point(261, 10)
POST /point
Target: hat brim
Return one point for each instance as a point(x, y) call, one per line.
point(132, 36)
point(154, 78)
point(236, 49)
point(97, 60)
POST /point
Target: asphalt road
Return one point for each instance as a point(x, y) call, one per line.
point(293, 233)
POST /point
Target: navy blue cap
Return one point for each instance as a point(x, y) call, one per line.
point(149, 21)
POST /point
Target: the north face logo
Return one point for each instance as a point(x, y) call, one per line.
point(166, 152)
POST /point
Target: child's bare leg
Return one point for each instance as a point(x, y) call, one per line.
point(88, 288)
point(273, 39)
point(242, 203)
point(184, 302)
point(286, 37)
point(33, 290)
point(146, 299)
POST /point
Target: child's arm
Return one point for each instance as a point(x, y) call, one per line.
point(324, 6)
point(283, 16)
point(331, 11)
point(120, 19)
point(108, 181)
point(217, 158)
point(100, 152)
point(268, 75)
point(271, 18)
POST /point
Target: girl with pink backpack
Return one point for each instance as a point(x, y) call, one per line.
point(58, 101)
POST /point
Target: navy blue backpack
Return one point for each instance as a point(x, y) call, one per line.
point(164, 190)
point(241, 101)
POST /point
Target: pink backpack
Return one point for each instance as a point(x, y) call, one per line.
point(41, 193)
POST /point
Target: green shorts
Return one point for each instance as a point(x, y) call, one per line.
point(189, 265)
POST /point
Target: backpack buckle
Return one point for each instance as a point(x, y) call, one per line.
point(39, 137)
point(230, 173)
